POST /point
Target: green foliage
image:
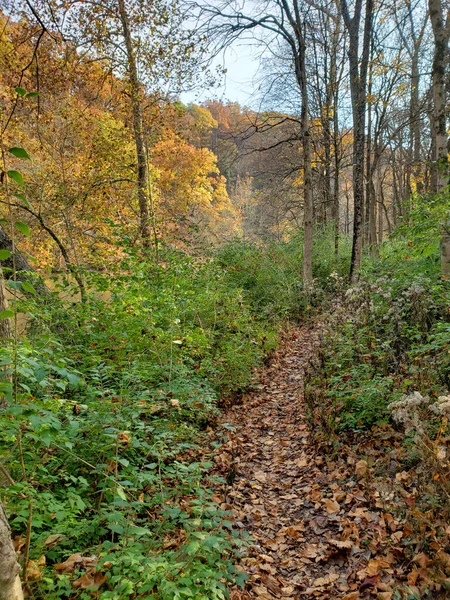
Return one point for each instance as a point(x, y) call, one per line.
point(101, 434)
point(396, 335)
point(270, 273)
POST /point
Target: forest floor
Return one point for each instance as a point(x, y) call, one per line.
point(311, 515)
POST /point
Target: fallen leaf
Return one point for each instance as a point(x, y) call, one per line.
point(94, 579)
point(422, 560)
point(75, 562)
point(325, 581)
point(361, 468)
point(332, 506)
point(260, 476)
point(342, 544)
point(53, 540)
point(35, 568)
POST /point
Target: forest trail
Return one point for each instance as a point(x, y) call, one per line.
point(313, 533)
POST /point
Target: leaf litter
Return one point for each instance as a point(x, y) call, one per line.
point(322, 525)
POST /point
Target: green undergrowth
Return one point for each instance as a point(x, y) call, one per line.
point(390, 333)
point(108, 403)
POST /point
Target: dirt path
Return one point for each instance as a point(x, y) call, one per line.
point(313, 533)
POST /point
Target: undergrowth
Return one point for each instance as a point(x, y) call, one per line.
point(106, 404)
point(391, 331)
point(378, 390)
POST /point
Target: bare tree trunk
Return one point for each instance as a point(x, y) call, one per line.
point(358, 84)
point(415, 123)
point(138, 126)
point(441, 31)
point(307, 187)
point(440, 60)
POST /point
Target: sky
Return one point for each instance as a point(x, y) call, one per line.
point(239, 84)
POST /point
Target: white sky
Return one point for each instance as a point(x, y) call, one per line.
point(240, 83)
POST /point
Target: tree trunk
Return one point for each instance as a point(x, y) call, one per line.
point(307, 169)
point(358, 83)
point(10, 586)
point(441, 31)
point(415, 122)
point(138, 127)
point(440, 60)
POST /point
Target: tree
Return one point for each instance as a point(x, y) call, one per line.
point(440, 21)
point(145, 43)
point(358, 88)
point(285, 21)
point(441, 32)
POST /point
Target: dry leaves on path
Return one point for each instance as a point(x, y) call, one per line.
point(317, 531)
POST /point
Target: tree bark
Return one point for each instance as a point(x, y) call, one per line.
point(440, 61)
point(138, 126)
point(308, 210)
point(358, 85)
point(441, 32)
point(10, 586)
point(19, 262)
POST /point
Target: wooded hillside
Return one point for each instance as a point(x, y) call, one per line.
point(225, 329)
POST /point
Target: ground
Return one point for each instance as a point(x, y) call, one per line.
point(315, 531)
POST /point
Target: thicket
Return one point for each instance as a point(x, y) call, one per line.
point(378, 394)
point(393, 327)
point(108, 402)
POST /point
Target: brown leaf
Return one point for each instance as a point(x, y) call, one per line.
point(422, 560)
point(53, 540)
point(373, 567)
point(92, 578)
point(351, 596)
point(260, 476)
point(75, 562)
point(325, 581)
point(361, 468)
point(341, 544)
point(368, 583)
point(332, 506)
point(272, 585)
point(35, 568)
point(413, 576)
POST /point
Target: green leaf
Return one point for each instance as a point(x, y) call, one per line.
point(27, 287)
point(19, 153)
point(16, 176)
point(139, 531)
point(21, 91)
point(6, 314)
point(23, 228)
point(24, 200)
point(32, 95)
point(116, 528)
point(5, 254)
point(121, 492)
